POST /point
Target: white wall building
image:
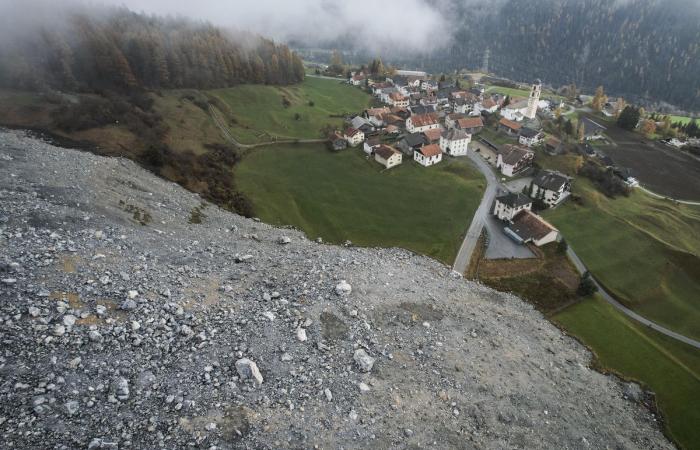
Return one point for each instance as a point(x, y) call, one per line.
point(509, 205)
point(387, 156)
point(354, 136)
point(455, 142)
point(422, 122)
point(428, 155)
point(551, 187)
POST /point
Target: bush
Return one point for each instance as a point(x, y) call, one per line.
point(604, 179)
point(586, 286)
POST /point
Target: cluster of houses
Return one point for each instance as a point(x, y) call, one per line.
point(515, 209)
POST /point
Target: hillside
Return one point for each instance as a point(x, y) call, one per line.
point(133, 311)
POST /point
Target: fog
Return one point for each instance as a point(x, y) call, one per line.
point(398, 25)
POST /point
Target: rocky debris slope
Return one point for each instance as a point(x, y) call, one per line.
point(124, 325)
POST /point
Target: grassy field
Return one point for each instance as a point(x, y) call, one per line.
point(643, 249)
point(669, 368)
point(508, 91)
point(341, 196)
point(258, 113)
point(681, 119)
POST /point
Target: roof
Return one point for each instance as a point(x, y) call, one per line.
point(422, 109)
point(414, 139)
point(378, 111)
point(373, 142)
point(510, 124)
point(385, 151)
point(511, 154)
point(528, 132)
point(488, 103)
point(358, 122)
point(456, 135)
point(430, 150)
point(392, 129)
point(422, 120)
point(433, 135)
point(553, 181)
point(397, 96)
point(470, 122)
point(335, 136)
point(351, 131)
point(358, 77)
point(514, 200)
point(455, 116)
point(528, 225)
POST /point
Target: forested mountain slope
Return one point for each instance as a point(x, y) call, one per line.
point(120, 49)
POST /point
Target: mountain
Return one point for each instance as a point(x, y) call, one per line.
point(116, 49)
point(127, 324)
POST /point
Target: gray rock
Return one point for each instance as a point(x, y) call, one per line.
point(633, 392)
point(247, 369)
point(128, 305)
point(72, 407)
point(363, 360)
point(343, 288)
point(120, 388)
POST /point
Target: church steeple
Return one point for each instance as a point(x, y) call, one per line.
point(534, 99)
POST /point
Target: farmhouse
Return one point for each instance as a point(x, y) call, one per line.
point(551, 187)
point(354, 136)
point(553, 146)
point(509, 205)
point(528, 227)
point(387, 156)
point(470, 125)
point(428, 155)
point(455, 142)
point(411, 142)
point(376, 116)
point(530, 137)
point(337, 142)
point(510, 127)
point(433, 136)
point(371, 144)
point(512, 159)
point(422, 122)
point(357, 79)
point(488, 104)
point(451, 119)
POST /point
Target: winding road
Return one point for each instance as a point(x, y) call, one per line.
point(470, 240)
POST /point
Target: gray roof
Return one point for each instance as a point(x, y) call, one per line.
point(553, 181)
point(455, 134)
point(514, 200)
point(528, 132)
point(414, 139)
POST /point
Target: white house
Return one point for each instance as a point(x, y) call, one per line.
point(455, 142)
point(509, 205)
point(488, 105)
point(357, 79)
point(428, 155)
point(371, 145)
point(530, 137)
point(527, 226)
point(387, 156)
point(551, 187)
point(422, 122)
point(398, 100)
point(512, 159)
point(354, 136)
point(429, 85)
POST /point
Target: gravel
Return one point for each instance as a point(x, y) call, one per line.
point(174, 335)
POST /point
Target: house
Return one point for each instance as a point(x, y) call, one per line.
point(550, 187)
point(509, 205)
point(362, 124)
point(428, 155)
point(512, 159)
point(422, 122)
point(393, 119)
point(527, 227)
point(387, 156)
point(530, 137)
point(410, 143)
point(488, 104)
point(429, 85)
point(378, 88)
point(509, 127)
point(422, 109)
point(592, 130)
point(470, 125)
point(455, 142)
point(354, 136)
point(392, 129)
point(433, 136)
point(376, 116)
point(371, 144)
point(385, 94)
point(553, 146)
point(398, 100)
point(451, 119)
point(337, 141)
point(357, 79)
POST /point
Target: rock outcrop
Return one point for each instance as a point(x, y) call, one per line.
point(125, 326)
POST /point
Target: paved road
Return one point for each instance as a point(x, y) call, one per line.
point(469, 244)
point(227, 134)
point(626, 311)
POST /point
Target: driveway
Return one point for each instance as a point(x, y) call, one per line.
point(501, 246)
point(518, 184)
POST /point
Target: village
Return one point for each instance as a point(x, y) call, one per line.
point(427, 120)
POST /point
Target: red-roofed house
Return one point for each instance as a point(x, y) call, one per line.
point(509, 126)
point(387, 156)
point(428, 155)
point(471, 125)
point(354, 136)
point(422, 122)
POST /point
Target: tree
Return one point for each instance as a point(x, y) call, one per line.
point(629, 118)
point(581, 132)
point(586, 286)
point(562, 247)
point(569, 127)
point(648, 127)
point(599, 99)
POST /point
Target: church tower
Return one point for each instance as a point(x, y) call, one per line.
point(534, 99)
